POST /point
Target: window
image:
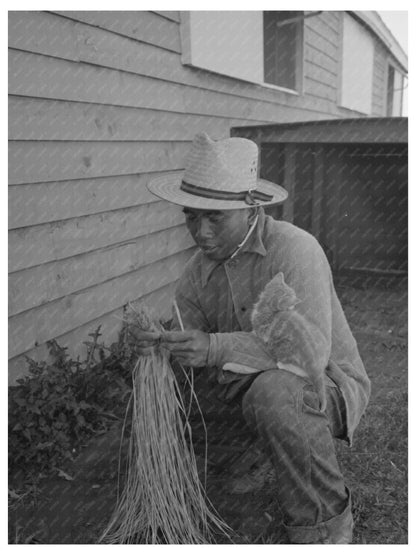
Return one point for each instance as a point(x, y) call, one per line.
point(259, 47)
point(282, 48)
point(395, 85)
point(226, 42)
point(357, 66)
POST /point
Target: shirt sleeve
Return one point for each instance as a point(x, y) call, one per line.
point(241, 348)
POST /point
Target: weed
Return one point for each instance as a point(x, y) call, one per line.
point(60, 404)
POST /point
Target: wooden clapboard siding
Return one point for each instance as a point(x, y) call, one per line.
point(46, 77)
point(63, 160)
point(173, 16)
point(379, 80)
point(33, 245)
point(332, 20)
point(78, 42)
point(315, 25)
point(106, 50)
point(323, 25)
point(313, 36)
point(139, 25)
point(38, 32)
point(159, 300)
point(49, 281)
point(39, 203)
point(99, 102)
point(68, 313)
point(41, 76)
point(55, 120)
point(320, 60)
point(321, 57)
point(320, 89)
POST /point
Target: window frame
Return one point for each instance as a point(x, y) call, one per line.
point(187, 58)
point(299, 57)
point(391, 63)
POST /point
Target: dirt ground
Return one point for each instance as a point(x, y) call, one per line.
point(74, 508)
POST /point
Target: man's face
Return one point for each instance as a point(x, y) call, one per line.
point(218, 232)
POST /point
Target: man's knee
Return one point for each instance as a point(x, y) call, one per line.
point(273, 397)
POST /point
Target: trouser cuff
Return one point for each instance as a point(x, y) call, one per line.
point(336, 530)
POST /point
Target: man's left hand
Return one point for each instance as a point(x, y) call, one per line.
point(190, 348)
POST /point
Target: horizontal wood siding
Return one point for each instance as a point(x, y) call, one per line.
point(63, 160)
point(29, 246)
point(144, 26)
point(30, 119)
point(99, 103)
point(379, 80)
point(321, 43)
point(159, 300)
point(69, 312)
point(106, 50)
point(74, 198)
point(49, 281)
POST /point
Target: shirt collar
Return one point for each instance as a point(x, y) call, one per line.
point(254, 245)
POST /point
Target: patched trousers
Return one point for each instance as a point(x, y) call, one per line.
point(283, 410)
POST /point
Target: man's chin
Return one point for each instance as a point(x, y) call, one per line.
point(212, 253)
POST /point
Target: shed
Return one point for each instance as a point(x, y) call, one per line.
point(348, 185)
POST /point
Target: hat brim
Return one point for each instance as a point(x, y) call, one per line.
point(167, 187)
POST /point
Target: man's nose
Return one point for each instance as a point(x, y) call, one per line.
point(204, 229)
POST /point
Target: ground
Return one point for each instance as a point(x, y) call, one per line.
point(75, 506)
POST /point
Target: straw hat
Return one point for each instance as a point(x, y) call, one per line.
point(219, 175)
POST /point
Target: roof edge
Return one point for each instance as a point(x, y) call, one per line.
point(377, 25)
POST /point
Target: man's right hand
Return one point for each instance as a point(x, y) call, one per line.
point(143, 341)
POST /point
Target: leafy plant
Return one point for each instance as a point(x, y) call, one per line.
point(62, 402)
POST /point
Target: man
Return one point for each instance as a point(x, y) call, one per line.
point(240, 251)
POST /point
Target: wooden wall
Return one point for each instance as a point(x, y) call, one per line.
point(379, 80)
point(99, 102)
point(321, 54)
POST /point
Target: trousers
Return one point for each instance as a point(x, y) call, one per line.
point(282, 409)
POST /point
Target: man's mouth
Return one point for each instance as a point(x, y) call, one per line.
point(207, 248)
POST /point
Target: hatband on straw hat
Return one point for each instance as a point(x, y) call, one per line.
point(219, 175)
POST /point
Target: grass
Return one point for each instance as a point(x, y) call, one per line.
point(376, 466)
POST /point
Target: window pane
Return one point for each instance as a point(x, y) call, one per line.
point(394, 92)
point(225, 42)
point(397, 94)
point(281, 38)
point(390, 91)
point(357, 66)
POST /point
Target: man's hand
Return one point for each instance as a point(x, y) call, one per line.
point(143, 340)
point(190, 348)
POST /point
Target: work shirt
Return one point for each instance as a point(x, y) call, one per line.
point(217, 297)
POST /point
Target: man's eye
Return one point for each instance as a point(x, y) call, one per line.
point(214, 218)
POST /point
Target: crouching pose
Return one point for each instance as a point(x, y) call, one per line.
point(258, 303)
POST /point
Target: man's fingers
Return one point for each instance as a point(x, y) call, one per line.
point(173, 337)
point(185, 347)
point(139, 335)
